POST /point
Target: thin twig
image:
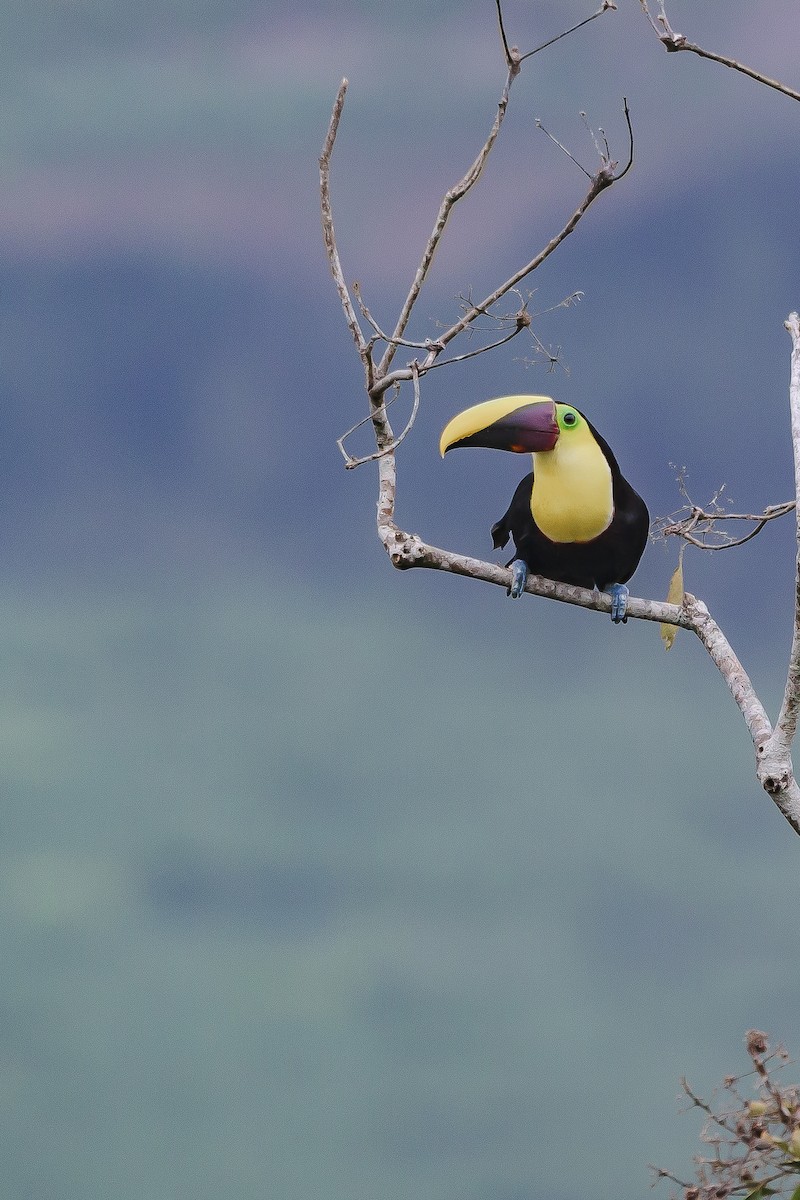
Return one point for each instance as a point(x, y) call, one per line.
point(457, 192)
point(677, 41)
point(561, 146)
point(511, 54)
point(751, 1140)
point(701, 525)
point(522, 321)
point(660, 1173)
point(698, 1102)
point(653, 24)
point(629, 163)
point(329, 233)
point(698, 516)
point(368, 420)
point(518, 328)
point(605, 7)
point(451, 198)
point(737, 66)
point(603, 155)
point(429, 343)
point(701, 545)
point(604, 178)
point(350, 462)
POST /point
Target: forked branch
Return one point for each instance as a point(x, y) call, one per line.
point(605, 177)
point(674, 42)
point(705, 527)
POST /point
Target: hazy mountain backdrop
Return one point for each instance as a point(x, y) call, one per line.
point(318, 879)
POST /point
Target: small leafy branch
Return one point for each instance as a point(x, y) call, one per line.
point(753, 1144)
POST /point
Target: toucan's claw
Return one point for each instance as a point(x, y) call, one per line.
point(519, 577)
point(619, 602)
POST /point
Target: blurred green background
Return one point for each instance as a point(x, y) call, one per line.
point(318, 878)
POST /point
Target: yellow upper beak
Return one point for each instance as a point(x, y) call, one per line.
point(521, 424)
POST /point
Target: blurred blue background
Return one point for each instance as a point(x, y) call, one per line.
point(318, 878)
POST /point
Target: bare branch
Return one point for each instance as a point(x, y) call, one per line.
point(447, 362)
point(605, 7)
point(787, 718)
point(706, 525)
point(350, 462)
point(457, 192)
point(408, 551)
point(561, 146)
point(604, 178)
point(604, 153)
point(660, 1173)
point(629, 163)
point(451, 198)
point(773, 765)
point(511, 53)
point(594, 191)
point(699, 1102)
point(330, 236)
point(734, 674)
point(521, 319)
point(428, 344)
point(677, 41)
point(387, 477)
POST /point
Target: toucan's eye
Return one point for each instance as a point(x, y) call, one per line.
point(570, 418)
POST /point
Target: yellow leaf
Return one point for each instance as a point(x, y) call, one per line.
point(674, 596)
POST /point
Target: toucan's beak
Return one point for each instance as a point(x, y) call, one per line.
point(521, 424)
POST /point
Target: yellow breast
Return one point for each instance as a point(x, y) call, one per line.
point(572, 498)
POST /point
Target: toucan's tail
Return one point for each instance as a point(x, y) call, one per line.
point(501, 532)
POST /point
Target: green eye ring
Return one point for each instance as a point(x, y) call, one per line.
point(568, 419)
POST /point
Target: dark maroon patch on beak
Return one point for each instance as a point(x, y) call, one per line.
point(526, 430)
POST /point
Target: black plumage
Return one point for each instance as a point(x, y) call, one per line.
point(611, 557)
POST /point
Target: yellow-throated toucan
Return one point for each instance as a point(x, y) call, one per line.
point(575, 518)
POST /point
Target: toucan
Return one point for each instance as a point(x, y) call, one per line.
point(575, 518)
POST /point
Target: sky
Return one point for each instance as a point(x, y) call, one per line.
point(316, 875)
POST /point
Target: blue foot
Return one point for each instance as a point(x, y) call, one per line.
point(519, 573)
point(619, 601)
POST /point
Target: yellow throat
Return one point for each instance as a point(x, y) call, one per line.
point(572, 498)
